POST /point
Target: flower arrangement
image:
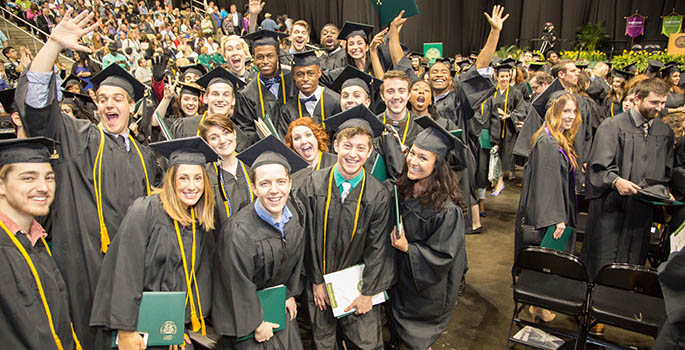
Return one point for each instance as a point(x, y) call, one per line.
point(639, 58)
point(592, 56)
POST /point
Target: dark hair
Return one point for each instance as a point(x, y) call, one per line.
point(6, 50)
point(442, 186)
point(431, 107)
point(655, 85)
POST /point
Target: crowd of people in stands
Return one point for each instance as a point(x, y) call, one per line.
point(173, 122)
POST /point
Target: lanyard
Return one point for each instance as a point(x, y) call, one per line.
point(406, 126)
point(261, 98)
point(323, 115)
point(227, 200)
point(190, 277)
point(198, 125)
point(318, 164)
point(506, 101)
point(39, 285)
point(97, 184)
point(328, 204)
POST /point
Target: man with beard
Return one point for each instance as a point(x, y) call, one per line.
point(312, 100)
point(270, 89)
point(631, 151)
point(101, 171)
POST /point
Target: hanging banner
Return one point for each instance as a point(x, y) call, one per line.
point(433, 51)
point(671, 25)
point(635, 26)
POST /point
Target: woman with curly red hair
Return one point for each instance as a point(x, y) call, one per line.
point(310, 141)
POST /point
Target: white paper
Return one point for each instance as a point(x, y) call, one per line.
point(538, 338)
point(678, 239)
point(344, 286)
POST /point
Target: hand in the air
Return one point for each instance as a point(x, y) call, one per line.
point(70, 30)
point(496, 20)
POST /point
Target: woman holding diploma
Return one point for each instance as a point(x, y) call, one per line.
point(548, 190)
point(431, 253)
point(163, 245)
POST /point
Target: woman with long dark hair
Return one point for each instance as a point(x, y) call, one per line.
point(84, 68)
point(430, 256)
point(164, 244)
point(548, 196)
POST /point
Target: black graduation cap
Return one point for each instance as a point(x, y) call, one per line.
point(540, 102)
point(632, 68)
point(28, 150)
point(220, 75)
point(356, 116)
point(622, 74)
point(415, 54)
point(7, 100)
point(350, 29)
point(272, 151)
point(191, 89)
point(582, 64)
point(265, 38)
point(463, 64)
point(197, 68)
point(114, 75)
point(188, 150)
point(82, 97)
point(653, 67)
point(435, 138)
point(71, 80)
point(506, 64)
point(306, 58)
point(448, 61)
point(670, 68)
point(536, 66)
point(351, 76)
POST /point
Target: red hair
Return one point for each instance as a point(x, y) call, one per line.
point(317, 130)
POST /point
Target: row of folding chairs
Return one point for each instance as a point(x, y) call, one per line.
point(621, 295)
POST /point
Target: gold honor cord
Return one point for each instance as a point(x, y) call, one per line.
point(39, 285)
point(261, 98)
point(506, 101)
point(328, 204)
point(318, 165)
point(611, 108)
point(197, 324)
point(97, 184)
point(227, 203)
point(198, 125)
point(323, 115)
point(406, 127)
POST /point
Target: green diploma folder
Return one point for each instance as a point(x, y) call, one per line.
point(559, 244)
point(387, 10)
point(379, 170)
point(162, 316)
point(272, 300)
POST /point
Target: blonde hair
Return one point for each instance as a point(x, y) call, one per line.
point(243, 45)
point(552, 123)
point(204, 208)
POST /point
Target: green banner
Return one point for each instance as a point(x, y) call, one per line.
point(671, 25)
point(433, 51)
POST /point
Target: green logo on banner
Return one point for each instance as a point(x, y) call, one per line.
point(671, 25)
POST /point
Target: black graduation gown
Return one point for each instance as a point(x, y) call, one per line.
point(236, 189)
point(189, 126)
point(504, 132)
point(611, 108)
point(618, 227)
point(477, 124)
point(370, 245)
point(327, 160)
point(598, 89)
point(248, 106)
point(334, 59)
point(145, 257)
point(458, 106)
point(678, 185)
point(22, 316)
point(547, 195)
point(671, 276)
point(252, 255)
point(407, 130)
point(675, 100)
point(75, 226)
point(288, 113)
point(428, 274)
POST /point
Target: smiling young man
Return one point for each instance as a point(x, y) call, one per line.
point(236, 51)
point(92, 197)
point(272, 229)
point(38, 316)
point(631, 151)
point(348, 214)
point(395, 94)
point(312, 100)
point(270, 89)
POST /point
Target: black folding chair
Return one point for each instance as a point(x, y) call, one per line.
point(628, 297)
point(553, 280)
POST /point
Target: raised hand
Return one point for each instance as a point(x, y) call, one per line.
point(398, 22)
point(378, 40)
point(255, 7)
point(496, 20)
point(70, 30)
